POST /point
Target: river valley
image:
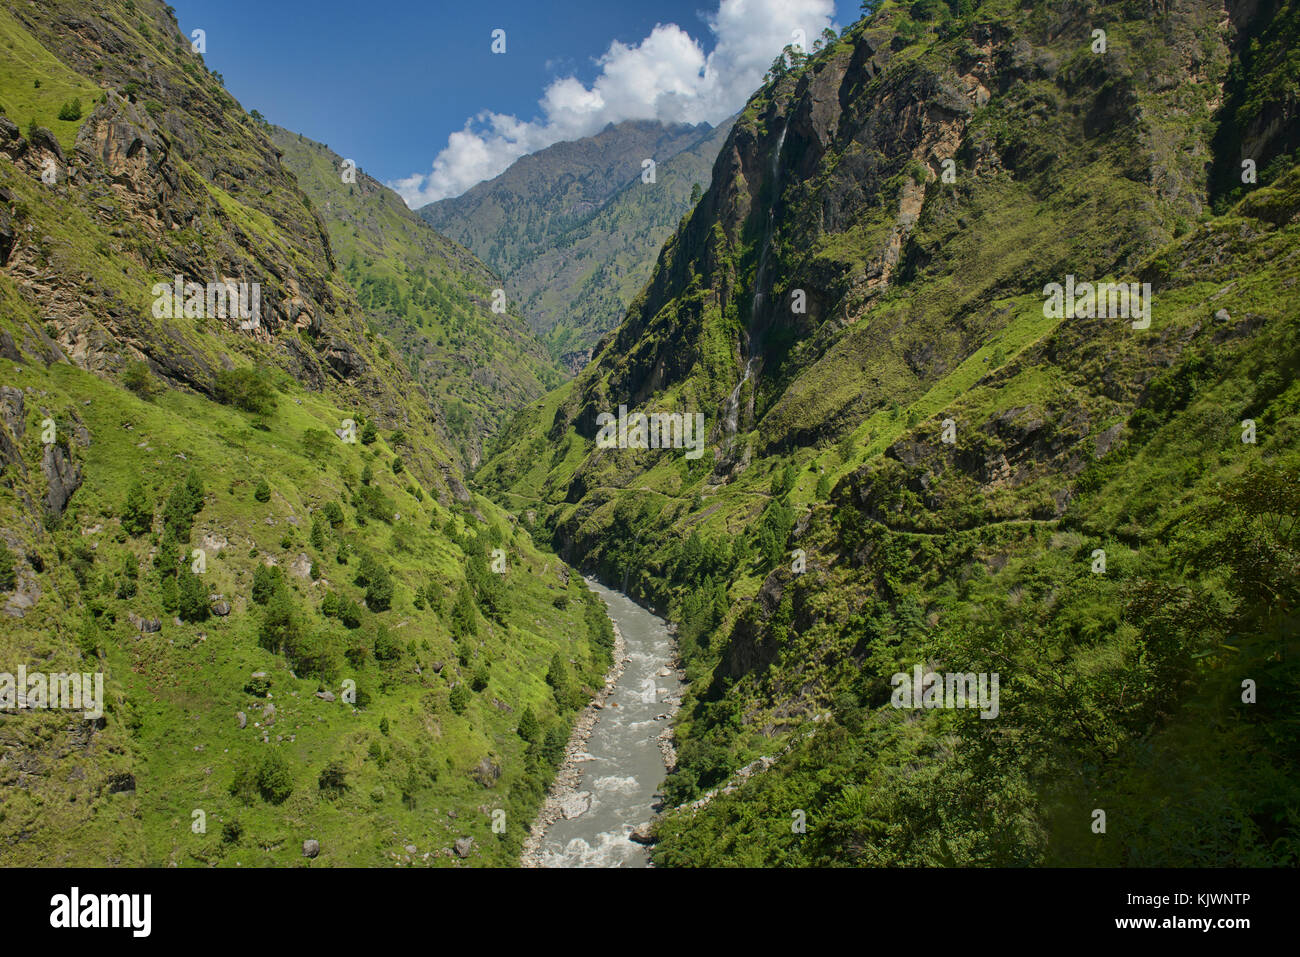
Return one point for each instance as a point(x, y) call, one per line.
point(608, 783)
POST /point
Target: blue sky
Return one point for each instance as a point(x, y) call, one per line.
point(387, 82)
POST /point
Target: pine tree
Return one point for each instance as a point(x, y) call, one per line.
point(137, 513)
point(528, 726)
point(192, 597)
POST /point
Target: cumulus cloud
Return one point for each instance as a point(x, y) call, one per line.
point(665, 77)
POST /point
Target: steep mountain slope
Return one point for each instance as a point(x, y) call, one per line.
point(912, 460)
point(574, 229)
point(578, 288)
point(430, 297)
point(248, 524)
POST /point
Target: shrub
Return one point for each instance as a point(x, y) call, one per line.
point(557, 736)
point(333, 513)
point(371, 502)
point(263, 491)
point(274, 781)
point(267, 580)
point(313, 654)
point(71, 110)
point(333, 778)
point(140, 380)
point(167, 594)
point(279, 628)
point(137, 513)
point(185, 501)
point(130, 573)
point(317, 538)
point(247, 389)
point(378, 583)
point(528, 727)
point(349, 613)
point(192, 604)
point(387, 647)
point(329, 606)
point(357, 652)
point(258, 685)
point(317, 444)
point(459, 698)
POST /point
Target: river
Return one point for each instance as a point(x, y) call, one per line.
point(620, 766)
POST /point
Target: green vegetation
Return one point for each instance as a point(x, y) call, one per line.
point(574, 250)
point(836, 538)
point(430, 298)
point(254, 657)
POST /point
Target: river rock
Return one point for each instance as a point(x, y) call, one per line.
point(642, 834)
point(576, 805)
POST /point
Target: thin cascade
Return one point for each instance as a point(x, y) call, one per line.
point(732, 417)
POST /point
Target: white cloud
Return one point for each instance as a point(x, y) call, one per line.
point(665, 77)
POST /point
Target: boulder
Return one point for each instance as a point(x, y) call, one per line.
point(63, 476)
point(642, 834)
point(463, 846)
point(488, 772)
point(310, 847)
point(576, 805)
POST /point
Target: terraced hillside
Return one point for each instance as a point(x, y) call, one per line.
point(912, 460)
point(316, 645)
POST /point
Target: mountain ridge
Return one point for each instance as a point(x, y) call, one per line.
point(910, 459)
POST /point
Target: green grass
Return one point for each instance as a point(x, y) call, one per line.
point(24, 62)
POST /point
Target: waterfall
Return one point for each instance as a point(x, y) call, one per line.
point(732, 418)
point(761, 273)
point(733, 401)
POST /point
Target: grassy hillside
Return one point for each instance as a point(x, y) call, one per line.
point(304, 625)
point(428, 296)
point(577, 289)
point(573, 229)
point(831, 535)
